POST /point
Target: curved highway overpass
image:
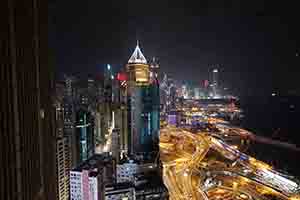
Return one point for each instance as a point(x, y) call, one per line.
point(201, 166)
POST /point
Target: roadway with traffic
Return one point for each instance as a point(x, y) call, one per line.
point(203, 165)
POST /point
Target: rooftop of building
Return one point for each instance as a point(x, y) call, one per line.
point(150, 180)
point(95, 161)
point(137, 57)
point(144, 181)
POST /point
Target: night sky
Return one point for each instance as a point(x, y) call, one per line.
point(255, 43)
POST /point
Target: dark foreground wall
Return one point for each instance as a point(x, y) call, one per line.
point(27, 143)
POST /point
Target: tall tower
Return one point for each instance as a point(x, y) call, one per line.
point(84, 135)
point(137, 68)
point(140, 101)
point(215, 76)
point(62, 153)
point(154, 68)
point(214, 81)
point(27, 145)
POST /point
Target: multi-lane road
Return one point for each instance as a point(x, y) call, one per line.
point(204, 166)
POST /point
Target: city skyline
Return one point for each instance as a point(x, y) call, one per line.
point(132, 100)
point(252, 48)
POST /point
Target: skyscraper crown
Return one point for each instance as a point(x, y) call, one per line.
point(137, 56)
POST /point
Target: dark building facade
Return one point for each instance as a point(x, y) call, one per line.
point(85, 146)
point(27, 145)
point(145, 115)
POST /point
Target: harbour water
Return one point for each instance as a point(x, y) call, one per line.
point(277, 118)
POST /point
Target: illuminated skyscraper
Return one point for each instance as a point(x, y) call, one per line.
point(63, 150)
point(154, 68)
point(215, 77)
point(62, 157)
point(143, 105)
point(215, 82)
point(137, 68)
point(121, 112)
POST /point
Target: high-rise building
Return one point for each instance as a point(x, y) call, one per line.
point(108, 84)
point(27, 145)
point(137, 68)
point(69, 84)
point(115, 146)
point(154, 68)
point(153, 109)
point(196, 93)
point(116, 114)
point(88, 179)
point(69, 117)
point(185, 92)
point(143, 105)
point(215, 76)
point(63, 178)
point(84, 185)
point(103, 119)
point(104, 109)
point(121, 124)
point(98, 131)
point(85, 147)
point(215, 82)
point(63, 162)
point(168, 93)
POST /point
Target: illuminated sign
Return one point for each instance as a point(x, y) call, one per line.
point(122, 77)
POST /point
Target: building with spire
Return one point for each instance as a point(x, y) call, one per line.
point(143, 106)
point(138, 68)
